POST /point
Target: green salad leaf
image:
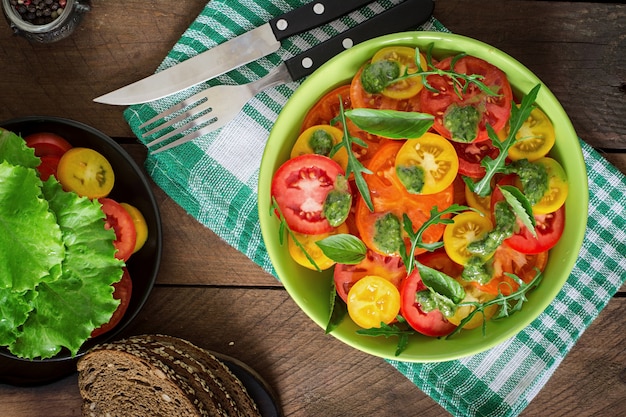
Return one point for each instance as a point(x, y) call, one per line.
point(57, 261)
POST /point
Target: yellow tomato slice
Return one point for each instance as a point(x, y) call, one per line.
point(86, 172)
point(467, 227)
point(482, 204)
point(308, 242)
point(558, 187)
point(534, 139)
point(373, 300)
point(405, 56)
point(320, 139)
point(427, 165)
point(141, 227)
point(473, 294)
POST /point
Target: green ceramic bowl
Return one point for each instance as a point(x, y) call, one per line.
point(310, 289)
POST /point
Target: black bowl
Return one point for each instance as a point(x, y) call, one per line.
point(131, 186)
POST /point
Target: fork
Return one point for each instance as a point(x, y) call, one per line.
point(214, 107)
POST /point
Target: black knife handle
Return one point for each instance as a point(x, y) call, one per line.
point(312, 15)
point(406, 15)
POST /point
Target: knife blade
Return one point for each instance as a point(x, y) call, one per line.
point(231, 54)
point(223, 102)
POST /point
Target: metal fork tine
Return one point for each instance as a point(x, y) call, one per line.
point(201, 96)
point(191, 114)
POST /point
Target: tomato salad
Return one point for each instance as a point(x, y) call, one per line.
point(89, 174)
point(429, 188)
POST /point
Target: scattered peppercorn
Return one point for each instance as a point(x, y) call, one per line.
point(39, 12)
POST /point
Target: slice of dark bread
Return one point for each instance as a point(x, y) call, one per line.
point(159, 375)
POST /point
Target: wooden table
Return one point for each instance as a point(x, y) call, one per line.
point(212, 295)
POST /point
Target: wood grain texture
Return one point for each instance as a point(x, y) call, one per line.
point(214, 296)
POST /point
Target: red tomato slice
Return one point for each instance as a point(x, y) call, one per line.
point(47, 144)
point(300, 187)
point(390, 196)
point(123, 292)
point(471, 154)
point(48, 166)
point(432, 323)
point(440, 261)
point(118, 219)
point(548, 227)
point(389, 267)
point(493, 110)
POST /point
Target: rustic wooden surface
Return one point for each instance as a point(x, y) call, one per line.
point(205, 286)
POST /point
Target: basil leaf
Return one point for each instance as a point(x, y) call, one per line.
point(343, 248)
point(391, 124)
point(520, 205)
point(338, 311)
point(441, 283)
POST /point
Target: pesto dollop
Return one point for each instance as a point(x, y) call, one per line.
point(477, 267)
point(388, 234)
point(376, 76)
point(412, 177)
point(338, 202)
point(462, 122)
point(534, 179)
point(321, 142)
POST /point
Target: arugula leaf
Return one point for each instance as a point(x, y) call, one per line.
point(494, 166)
point(343, 248)
point(354, 165)
point(391, 331)
point(391, 124)
point(520, 205)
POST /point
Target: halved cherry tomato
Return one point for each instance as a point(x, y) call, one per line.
point(361, 98)
point(47, 144)
point(558, 187)
point(309, 243)
point(432, 323)
point(141, 227)
point(508, 260)
point(390, 199)
point(467, 227)
point(86, 172)
point(320, 140)
point(118, 219)
point(48, 166)
point(405, 57)
point(427, 165)
point(373, 300)
point(389, 267)
point(300, 187)
point(482, 204)
point(123, 292)
point(548, 227)
point(470, 157)
point(534, 139)
point(493, 110)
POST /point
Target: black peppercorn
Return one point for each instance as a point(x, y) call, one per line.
point(39, 12)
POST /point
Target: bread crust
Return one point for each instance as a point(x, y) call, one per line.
point(159, 375)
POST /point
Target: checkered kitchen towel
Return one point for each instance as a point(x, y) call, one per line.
point(217, 183)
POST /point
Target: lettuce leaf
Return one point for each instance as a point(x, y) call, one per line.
point(57, 261)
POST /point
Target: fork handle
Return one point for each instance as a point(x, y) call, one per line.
point(312, 15)
point(404, 16)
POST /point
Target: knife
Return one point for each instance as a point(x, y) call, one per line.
point(233, 53)
point(221, 103)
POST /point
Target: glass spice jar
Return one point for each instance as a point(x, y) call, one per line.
point(44, 21)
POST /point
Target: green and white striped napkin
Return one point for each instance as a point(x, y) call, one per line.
point(214, 179)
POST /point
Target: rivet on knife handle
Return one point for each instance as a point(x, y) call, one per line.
point(316, 13)
point(404, 16)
